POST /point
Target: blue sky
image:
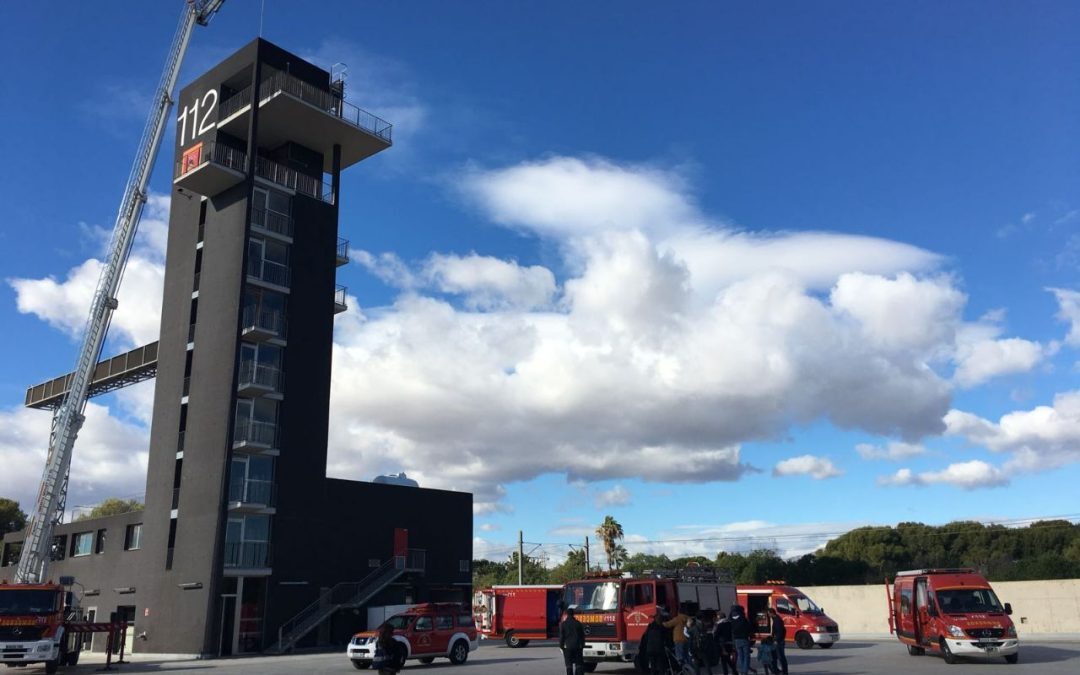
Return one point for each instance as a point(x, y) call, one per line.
point(720, 270)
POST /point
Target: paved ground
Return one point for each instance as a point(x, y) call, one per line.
point(876, 657)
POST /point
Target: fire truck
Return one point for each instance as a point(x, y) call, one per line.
point(34, 622)
point(953, 612)
point(518, 614)
point(616, 610)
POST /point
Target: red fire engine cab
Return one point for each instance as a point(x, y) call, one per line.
point(616, 610)
point(517, 614)
point(953, 612)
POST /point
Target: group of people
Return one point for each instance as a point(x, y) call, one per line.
point(702, 641)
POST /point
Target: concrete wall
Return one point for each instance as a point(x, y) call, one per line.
point(1039, 607)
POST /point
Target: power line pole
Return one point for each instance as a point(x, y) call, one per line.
point(587, 553)
point(521, 558)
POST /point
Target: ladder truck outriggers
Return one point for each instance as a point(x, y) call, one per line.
point(31, 573)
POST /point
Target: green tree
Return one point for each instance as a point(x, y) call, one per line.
point(571, 568)
point(610, 532)
point(12, 518)
point(113, 506)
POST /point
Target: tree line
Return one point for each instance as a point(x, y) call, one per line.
point(1048, 549)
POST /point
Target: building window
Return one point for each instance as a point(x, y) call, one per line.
point(133, 537)
point(99, 543)
point(82, 544)
point(463, 566)
point(247, 541)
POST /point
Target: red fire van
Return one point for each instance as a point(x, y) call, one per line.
point(517, 614)
point(953, 612)
point(807, 624)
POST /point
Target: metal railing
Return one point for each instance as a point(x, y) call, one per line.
point(249, 554)
point(339, 296)
point(252, 431)
point(272, 221)
point(270, 272)
point(256, 374)
point(266, 320)
point(253, 492)
point(211, 151)
point(343, 249)
point(280, 82)
point(293, 179)
point(344, 595)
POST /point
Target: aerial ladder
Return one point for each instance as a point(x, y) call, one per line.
point(68, 417)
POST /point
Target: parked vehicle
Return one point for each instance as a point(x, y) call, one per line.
point(518, 614)
point(953, 612)
point(34, 625)
point(428, 631)
point(616, 610)
point(806, 623)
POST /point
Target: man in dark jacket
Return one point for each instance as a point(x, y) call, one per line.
point(654, 643)
point(572, 644)
point(722, 635)
point(741, 632)
point(779, 633)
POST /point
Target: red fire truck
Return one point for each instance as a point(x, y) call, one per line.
point(953, 612)
point(616, 610)
point(806, 623)
point(34, 625)
point(518, 614)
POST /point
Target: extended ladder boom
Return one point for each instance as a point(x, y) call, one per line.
point(67, 420)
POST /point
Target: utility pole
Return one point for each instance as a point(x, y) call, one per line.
point(521, 559)
point(587, 553)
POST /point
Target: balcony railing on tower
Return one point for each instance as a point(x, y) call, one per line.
point(260, 325)
point(293, 179)
point(269, 271)
point(339, 299)
point(247, 554)
point(257, 379)
point(208, 168)
point(254, 436)
point(272, 222)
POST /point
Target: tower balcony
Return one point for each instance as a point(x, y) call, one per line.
point(339, 299)
point(209, 168)
point(342, 255)
point(273, 275)
point(279, 174)
point(293, 110)
point(247, 555)
point(253, 437)
point(259, 380)
point(252, 496)
point(272, 223)
point(261, 325)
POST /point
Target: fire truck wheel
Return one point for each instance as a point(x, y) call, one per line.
point(946, 653)
point(73, 658)
point(1012, 658)
point(912, 650)
point(51, 667)
point(513, 641)
point(803, 640)
point(459, 652)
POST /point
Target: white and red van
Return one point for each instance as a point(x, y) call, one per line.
point(428, 631)
point(517, 614)
point(953, 612)
point(806, 623)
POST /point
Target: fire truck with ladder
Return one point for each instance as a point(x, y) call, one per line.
point(39, 618)
point(616, 609)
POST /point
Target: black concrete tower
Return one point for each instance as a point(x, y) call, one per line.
point(243, 384)
point(244, 544)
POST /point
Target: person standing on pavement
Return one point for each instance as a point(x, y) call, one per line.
point(722, 635)
point(654, 643)
point(778, 631)
point(677, 624)
point(741, 632)
point(572, 644)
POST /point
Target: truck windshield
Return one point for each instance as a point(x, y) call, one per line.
point(600, 596)
point(20, 602)
point(805, 604)
point(400, 622)
point(965, 600)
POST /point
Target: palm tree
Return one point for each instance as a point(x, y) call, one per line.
point(621, 554)
point(610, 532)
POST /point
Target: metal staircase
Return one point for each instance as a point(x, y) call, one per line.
point(346, 595)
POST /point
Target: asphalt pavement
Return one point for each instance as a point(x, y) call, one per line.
point(493, 658)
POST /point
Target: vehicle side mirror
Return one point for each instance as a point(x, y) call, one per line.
point(1008, 608)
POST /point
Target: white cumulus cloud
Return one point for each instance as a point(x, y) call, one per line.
point(967, 475)
point(893, 450)
point(1069, 312)
point(819, 468)
point(616, 496)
